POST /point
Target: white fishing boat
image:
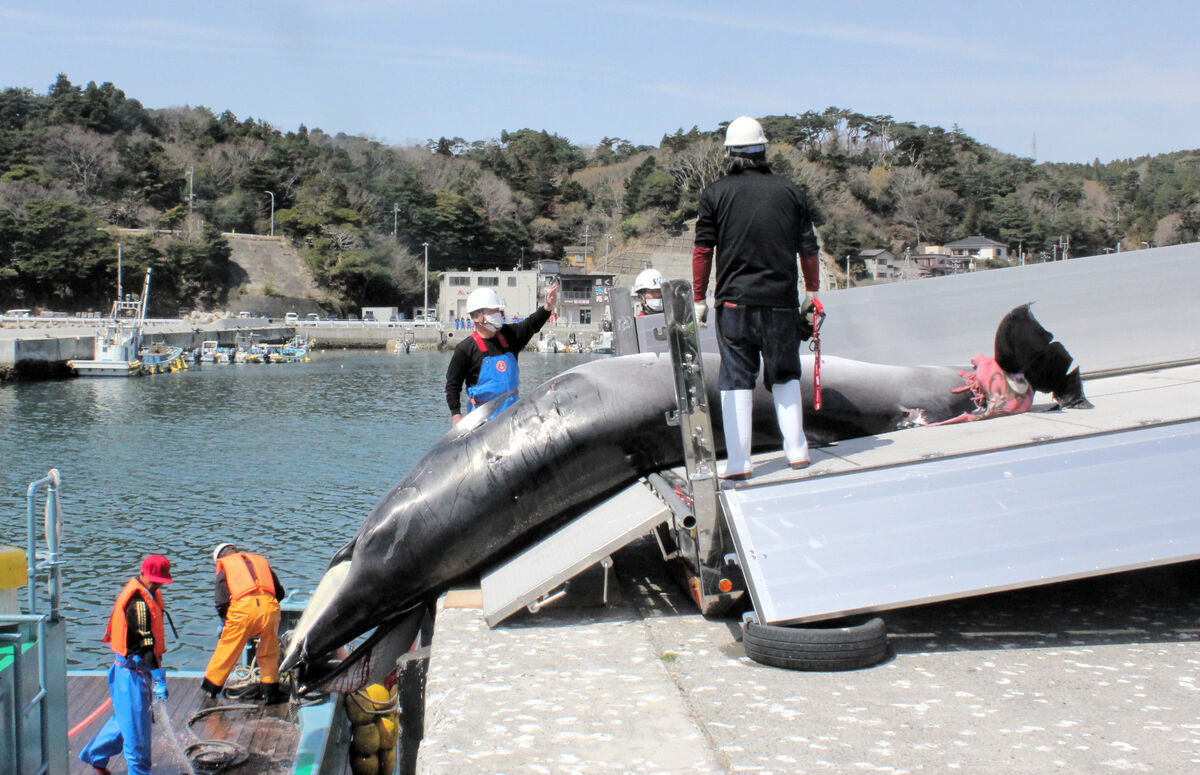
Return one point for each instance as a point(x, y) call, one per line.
point(118, 343)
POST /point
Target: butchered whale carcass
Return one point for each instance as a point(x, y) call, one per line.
point(485, 491)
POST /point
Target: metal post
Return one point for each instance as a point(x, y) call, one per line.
point(272, 193)
point(425, 309)
point(847, 270)
point(118, 271)
point(395, 219)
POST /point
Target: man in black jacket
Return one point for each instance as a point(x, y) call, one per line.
point(757, 223)
point(486, 361)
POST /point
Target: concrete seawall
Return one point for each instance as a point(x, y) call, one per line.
point(41, 350)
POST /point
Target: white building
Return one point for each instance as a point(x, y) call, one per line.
point(517, 289)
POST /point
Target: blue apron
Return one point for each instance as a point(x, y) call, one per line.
point(497, 375)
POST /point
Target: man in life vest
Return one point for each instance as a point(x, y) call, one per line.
point(135, 633)
point(647, 289)
point(247, 597)
point(486, 361)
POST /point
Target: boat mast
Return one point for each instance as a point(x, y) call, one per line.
point(145, 296)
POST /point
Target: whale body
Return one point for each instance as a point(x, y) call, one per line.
point(487, 490)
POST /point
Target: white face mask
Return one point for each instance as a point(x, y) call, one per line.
point(653, 305)
point(494, 321)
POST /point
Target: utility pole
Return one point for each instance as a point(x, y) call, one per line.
point(607, 245)
point(847, 270)
point(118, 271)
point(191, 196)
point(586, 234)
point(272, 193)
point(425, 309)
point(395, 219)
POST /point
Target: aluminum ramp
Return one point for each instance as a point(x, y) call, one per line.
point(522, 581)
point(931, 514)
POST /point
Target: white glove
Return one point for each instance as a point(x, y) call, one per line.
point(701, 313)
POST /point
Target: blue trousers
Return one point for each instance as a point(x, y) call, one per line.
point(128, 729)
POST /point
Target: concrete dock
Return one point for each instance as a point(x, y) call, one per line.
point(1092, 676)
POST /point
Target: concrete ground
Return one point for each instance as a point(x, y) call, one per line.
point(1093, 676)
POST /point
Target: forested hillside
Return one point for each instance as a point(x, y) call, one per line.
point(75, 161)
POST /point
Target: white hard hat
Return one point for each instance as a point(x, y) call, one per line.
point(220, 548)
point(483, 298)
point(648, 280)
point(744, 131)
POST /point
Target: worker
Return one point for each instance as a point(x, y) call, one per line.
point(135, 634)
point(647, 289)
point(757, 223)
point(486, 361)
point(247, 598)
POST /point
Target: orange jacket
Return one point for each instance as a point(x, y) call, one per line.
point(117, 633)
point(246, 574)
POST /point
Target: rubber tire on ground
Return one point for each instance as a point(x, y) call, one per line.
point(815, 648)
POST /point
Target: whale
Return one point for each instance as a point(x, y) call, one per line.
point(489, 488)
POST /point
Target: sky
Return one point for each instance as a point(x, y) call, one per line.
point(1059, 81)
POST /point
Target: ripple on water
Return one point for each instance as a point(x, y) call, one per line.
point(285, 459)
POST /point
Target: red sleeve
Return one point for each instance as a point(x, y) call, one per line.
point(811, 267)
point(702, 258)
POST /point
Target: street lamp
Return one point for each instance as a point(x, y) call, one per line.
point(425, 309)
point(272, 193)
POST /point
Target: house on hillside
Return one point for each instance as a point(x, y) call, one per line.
point(977, 248)
point(879, 264)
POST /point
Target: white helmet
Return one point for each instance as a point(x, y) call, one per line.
point(220, 548)
point(648, 280)
point(483, 298)
point(744, 131)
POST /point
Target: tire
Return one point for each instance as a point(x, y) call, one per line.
point(815, 648)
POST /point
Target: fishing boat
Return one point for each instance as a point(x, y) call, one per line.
point(211, 351)
point(119, 342)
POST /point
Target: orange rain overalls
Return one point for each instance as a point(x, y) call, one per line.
point(253, 613)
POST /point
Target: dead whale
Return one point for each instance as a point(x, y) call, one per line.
point(486, 490)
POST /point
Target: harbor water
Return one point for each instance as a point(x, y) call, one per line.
point(285, 460)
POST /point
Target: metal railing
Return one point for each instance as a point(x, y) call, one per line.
point(37, 563)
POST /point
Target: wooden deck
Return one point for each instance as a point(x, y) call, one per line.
point(270, 734)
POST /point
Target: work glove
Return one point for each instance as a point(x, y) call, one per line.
point(159, 684)
point(701, 313)
point(807, 308)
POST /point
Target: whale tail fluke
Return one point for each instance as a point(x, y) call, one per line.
point(1023, 346)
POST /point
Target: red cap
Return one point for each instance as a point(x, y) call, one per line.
point(157, 568)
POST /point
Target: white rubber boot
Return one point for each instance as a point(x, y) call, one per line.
point(790, 412)
point(737, 408)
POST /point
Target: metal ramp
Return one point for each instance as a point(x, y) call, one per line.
point(924, 515)
point(965, 526)
point(529, 580)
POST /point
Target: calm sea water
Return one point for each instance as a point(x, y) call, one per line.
point(284, 459)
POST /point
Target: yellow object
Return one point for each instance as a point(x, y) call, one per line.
point(364, 764)
point(378, 694)
point(256, 616)
point(358, 710)
point(13, 567)
point(364, 738)
point(388, 732)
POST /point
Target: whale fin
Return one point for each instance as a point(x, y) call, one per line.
point(1023, 346)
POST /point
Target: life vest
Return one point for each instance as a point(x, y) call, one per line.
point(498, 375)
point(246, 574)
point(117, 633)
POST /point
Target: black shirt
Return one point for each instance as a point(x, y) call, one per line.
point(463, 370)
point(758, 223)
point(139, 633)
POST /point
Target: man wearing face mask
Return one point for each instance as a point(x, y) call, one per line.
point(647, 287)
point(486, 361)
